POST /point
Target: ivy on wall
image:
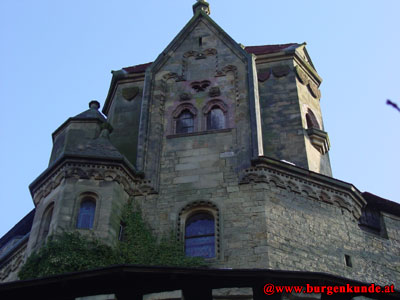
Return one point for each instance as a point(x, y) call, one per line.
point(72, 252)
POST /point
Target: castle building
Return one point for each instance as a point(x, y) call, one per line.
point(225, 145)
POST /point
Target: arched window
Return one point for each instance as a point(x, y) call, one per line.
point(46, 221)
point(311, 120)
point(185, 122)
point(200, 235)
point(86, 213)
point(215, 112)
point(215, 119)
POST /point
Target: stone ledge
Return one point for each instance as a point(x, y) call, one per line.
point(171, 136)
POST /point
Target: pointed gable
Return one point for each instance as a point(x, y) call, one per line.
point(202, 74)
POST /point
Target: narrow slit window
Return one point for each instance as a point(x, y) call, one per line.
point(347, 259)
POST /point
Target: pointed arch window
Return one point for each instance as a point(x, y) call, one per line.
point(200, 235)
point(86, 213)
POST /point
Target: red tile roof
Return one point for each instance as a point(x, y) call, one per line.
point(138, 68)
point(257, 50)
point(267, 49)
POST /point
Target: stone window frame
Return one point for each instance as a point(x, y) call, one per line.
point(200, 207)
point(178, 111)
point(83, 196)
point(207, 109)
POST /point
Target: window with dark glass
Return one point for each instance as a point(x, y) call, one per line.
point(311, 120)
point(215, 119)
point(185, 122)
point(200, 235)
point(86, 214)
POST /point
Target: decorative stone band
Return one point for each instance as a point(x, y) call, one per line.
point(11, 264)
point(307, 183)
point(319, 139)
point(303, 78)
point(280, 71)
point(133, 184)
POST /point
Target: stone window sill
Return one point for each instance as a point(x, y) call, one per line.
point(319, 139)
point(171, 136)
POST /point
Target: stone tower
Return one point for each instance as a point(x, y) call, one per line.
point(227, 140)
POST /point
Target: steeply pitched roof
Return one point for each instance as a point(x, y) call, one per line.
point(257, 50)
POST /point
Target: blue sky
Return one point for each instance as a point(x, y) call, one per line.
point(56, 56)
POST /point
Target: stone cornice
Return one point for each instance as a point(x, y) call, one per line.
point(89, 168)
point(285, 55)
point(305, 182)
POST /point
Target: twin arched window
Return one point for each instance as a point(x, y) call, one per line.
point(86, 213)
point(215, 117)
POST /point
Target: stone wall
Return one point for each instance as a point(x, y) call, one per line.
point(273, 219)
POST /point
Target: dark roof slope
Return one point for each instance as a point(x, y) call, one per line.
point(268, 49)
point(20, 229)
point(382, 204)
point(137, 68)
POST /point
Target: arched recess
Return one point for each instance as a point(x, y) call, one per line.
point(45, 223)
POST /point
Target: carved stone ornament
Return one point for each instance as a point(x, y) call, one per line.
point(314, 91)
point(280, 71)
point(200, 56)
point(130, 93)
point(174, 76)
point(301, 76)
point(263, 75)
point(185, 97)
point(200, 86)
point(214, 92)
point(263, 174)
point(133, 185)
